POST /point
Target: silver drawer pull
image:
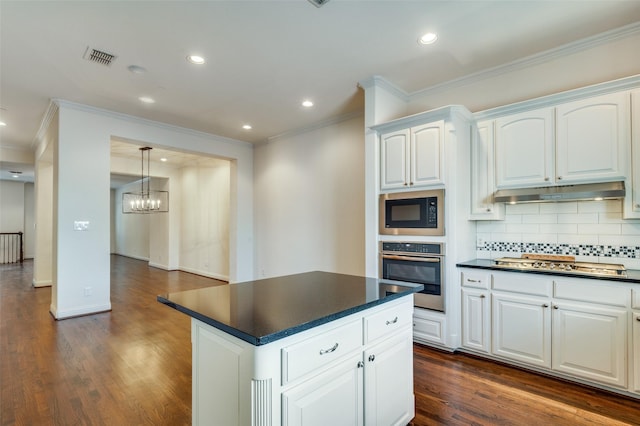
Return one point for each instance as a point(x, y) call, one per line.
point(473, 281)
point(393, 321)
point(328, 351)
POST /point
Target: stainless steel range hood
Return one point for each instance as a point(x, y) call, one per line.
point(590, 191)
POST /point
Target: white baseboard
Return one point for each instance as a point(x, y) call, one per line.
point(42, 283)
point(206, 274)
point(81, 311)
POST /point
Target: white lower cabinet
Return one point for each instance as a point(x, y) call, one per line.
point(476, 321)
point(590, 342)
point(521, 329)
point(635, 355)
point(575, 327)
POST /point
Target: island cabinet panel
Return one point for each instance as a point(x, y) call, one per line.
point(333, 398)
point(388, 378)
point(355, 370)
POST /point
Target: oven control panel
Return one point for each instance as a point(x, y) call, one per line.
point(411, 247)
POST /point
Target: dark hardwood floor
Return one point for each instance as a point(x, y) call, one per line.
point(132, 366)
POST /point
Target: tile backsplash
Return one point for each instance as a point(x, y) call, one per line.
point(593, 231)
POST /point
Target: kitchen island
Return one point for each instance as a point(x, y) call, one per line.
point(315, 348)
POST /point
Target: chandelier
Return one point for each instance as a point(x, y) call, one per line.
point(146, 200)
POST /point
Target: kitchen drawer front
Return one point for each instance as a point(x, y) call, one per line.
point(476, 279)
point(592, 291)
point(516, 282)
point(311, 354)
point(388, 321)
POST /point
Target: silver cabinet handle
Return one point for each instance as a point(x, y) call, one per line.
point(546, 179)
point(638, 318)
point(559, 177)
point(545, 305)
point(360, 364)
point(372, 358)
point(393, 321)
point(473, 281)
point(482, 296)
point(556, 307)
point(328, 351)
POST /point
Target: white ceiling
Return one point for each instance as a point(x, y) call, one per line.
point(263, 57)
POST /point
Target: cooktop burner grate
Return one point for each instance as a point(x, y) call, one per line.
point(561, 264)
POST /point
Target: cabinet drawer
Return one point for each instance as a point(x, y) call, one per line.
point(476, 279)
point(591, 291)
point(388, 321)
point(522, 283)
point(311, 354)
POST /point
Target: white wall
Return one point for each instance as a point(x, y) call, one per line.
point(309, 201)
point(11, 206)
point(131, 230)
point(204, 235)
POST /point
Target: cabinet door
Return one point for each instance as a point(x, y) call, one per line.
point(593, 139)
point(521, 329)
point(590, 342)
point(483, 174)
point(475, 319)
point(632, 200)
point(332, 398)
point(388, 379)
point(636, 351)
point(394, 160)
point(525, 149)
point(426, 154)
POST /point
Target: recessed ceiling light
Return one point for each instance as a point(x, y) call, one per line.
point(163, 159)
point(195, 59)
point(307, 104)
point(2, 124)
point(146, 100)
point(428, 38)
point(247, 127)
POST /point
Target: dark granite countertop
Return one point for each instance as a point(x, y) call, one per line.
point(633, 275)
point(262, 311)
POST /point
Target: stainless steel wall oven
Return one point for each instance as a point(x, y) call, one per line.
point(416, 262)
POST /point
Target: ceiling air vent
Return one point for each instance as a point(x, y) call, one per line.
point(318, 3)
point(99, 56)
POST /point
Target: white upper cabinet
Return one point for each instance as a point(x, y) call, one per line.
point(585, 141)
point(394, 159)
point(483, 174)
point(593, 139)
point(525, 149)
point(412, 158)
point(631, 203)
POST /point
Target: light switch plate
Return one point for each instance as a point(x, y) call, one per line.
point(80, 225)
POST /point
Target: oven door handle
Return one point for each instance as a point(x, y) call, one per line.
point(417, 259)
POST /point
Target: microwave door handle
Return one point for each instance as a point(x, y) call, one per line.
point(417, 259)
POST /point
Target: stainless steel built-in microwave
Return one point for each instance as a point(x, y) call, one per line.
point(412, 213)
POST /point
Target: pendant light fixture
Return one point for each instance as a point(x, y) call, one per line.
point(146, 200)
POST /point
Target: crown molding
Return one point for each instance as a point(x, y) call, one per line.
point(381, 82)
point(50, 112)
point(315, 126)
point(147, 122)
point(532, 60)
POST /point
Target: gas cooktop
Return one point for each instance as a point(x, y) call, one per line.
point(557, 263)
